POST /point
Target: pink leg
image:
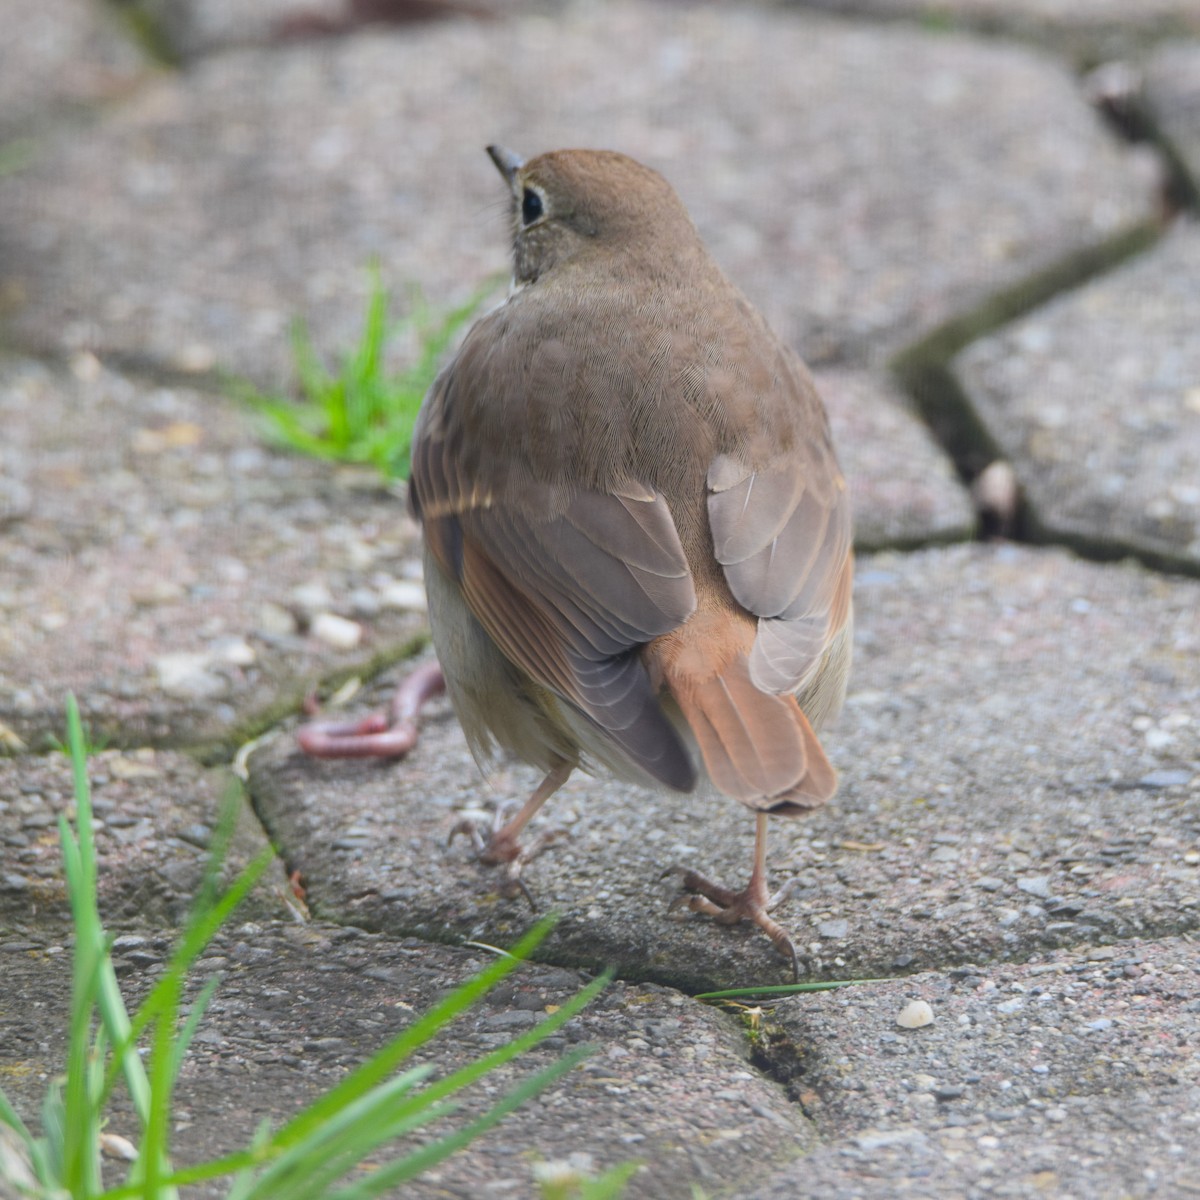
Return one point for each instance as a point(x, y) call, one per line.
point(504, 846)
point(754, 903)
point(377, 735)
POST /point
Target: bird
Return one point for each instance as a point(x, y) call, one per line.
point(637, 538)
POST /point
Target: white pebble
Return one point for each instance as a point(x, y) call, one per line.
point(113, 1145)
point(336, 631)
point(313, 596)
point(233, 650)
point(187, 676)
point(405, 594)
point(915, 1015)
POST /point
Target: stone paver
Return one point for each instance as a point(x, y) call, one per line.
point(925, 173)
point(196, 27)
point(1033, 1079)
point(1095, 399)
point(164, 565)
point(189, 28)
point(1020, 768)
point(903, 488)
point(1019, 817)
point(58, 57)
point(1088, 31)
point(155, 817)
point(1172, 84)
point(669, 1083)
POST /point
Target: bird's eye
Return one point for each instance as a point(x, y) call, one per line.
point(531, 206)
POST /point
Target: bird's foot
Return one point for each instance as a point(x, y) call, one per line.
point(753, 903)
point(377, 735)
point(503, 847)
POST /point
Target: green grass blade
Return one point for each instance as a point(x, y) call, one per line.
point(83, 806)
point(381, 1065)
point(314, 379)
point(420, 1160)
point(455, 1082)
point(151, 1166)
point(54, 1126)
point(188, 1030)
point(609, 1185)
point(309, 1168)
point(503, 1054)
point(80, 1132)
point(10, 1117)
point(201, 928)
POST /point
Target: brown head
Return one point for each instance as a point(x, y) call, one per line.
point(571, 205)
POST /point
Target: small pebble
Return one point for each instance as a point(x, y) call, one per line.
point(833, 930)
point(311, 596)
point(187, 676)
point(915, 1015)
point(403, 594)
point(274, 619)
point(336, 631)
point(1166, 777)
point(233, 650)
point(113, 1145)
point(1036, 885)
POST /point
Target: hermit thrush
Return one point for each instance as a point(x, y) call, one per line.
point(637, 538)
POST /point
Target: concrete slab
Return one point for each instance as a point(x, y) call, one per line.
point(1074, 1075)
point(903, 488)
point(1005, 787)
point(60, 58)
point(861, 183)
point(1172, 85)
point(155, 815)
point(195, 27)
point(1094, 400)
point(162, 564)
point(1090, 31)
point(669, 1085)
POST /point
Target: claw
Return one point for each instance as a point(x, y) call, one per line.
point(753, 903)
point(503, 847)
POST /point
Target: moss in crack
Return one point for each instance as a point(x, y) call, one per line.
point(148, 24)
point(775, 1053)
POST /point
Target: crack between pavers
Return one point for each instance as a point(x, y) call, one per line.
point(579, 949)
point(923, 370)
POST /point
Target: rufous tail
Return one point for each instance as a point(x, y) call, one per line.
point(757, 747)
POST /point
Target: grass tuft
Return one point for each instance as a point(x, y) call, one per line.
point(362, 413)
point(320, 1153)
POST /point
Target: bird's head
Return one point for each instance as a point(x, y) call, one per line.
point(569, 205)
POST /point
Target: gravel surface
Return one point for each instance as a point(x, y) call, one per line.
point(170, 569)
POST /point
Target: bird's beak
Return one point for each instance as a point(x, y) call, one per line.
point(507, 163)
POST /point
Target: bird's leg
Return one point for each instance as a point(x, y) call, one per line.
point(754, 903)
point(377, 735)
point(504, 847)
